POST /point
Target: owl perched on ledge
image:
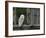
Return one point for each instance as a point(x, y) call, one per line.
point(21, 20)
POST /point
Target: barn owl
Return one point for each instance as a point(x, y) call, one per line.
point(20, 21)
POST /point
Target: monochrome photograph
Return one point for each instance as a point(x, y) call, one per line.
point(26, 18)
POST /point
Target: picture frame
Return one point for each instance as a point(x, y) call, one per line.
point(29, 27)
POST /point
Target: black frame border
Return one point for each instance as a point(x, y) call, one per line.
point(6, 18)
